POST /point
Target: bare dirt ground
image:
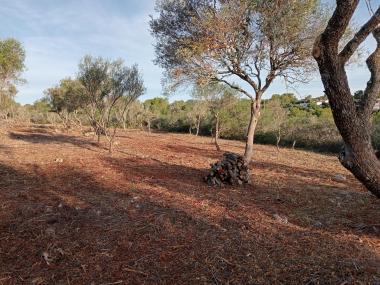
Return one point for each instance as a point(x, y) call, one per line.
point(70, 213)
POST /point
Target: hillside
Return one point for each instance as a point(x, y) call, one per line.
point(70, 213)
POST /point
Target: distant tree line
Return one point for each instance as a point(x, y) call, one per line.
point(285, 121)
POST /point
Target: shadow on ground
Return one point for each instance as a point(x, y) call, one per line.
point(51, 138)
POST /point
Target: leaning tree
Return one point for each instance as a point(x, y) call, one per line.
point(353, 119)
point(244, 44)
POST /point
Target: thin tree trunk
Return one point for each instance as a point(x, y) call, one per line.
point(198, 125)
point(278, 140)
point(294, 144)
point(190, 130)
point(255, 113)
point(149, 126)
point(217, 132)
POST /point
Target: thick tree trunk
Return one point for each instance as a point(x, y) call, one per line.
point(255, 113)
point(353, 121)
point(217, 132)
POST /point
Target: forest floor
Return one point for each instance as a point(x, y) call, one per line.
point(70, 213)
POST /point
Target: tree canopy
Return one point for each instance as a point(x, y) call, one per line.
point(237, 41)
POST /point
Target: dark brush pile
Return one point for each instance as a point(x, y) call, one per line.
point(232, 170)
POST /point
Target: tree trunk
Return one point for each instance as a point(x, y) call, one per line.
point(294, 144)
point(352, 121)
point(198, 125)
point(190, 130)
point(278, 140)
point(255, 113)
point(217, 132)
point(149, 126)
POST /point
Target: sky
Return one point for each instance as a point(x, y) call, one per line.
point(56, 34)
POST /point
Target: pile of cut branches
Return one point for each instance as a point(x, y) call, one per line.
point(232, 169)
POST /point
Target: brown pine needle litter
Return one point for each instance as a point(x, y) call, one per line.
point(70, 213)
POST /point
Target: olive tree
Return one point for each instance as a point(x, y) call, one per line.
point(274, 119)
point(12, 58)
point(353, 118)
point(244, 41)
point(66, 99)
point(217, 96)
point(105, 82)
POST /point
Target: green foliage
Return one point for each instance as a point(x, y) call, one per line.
point(158, 106)
point(67, 96)
point(12, 57)
point(105, 83)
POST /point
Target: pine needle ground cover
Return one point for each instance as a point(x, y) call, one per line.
point(70, 213)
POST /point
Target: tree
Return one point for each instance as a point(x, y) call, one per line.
point(105, 83)
point(12, 58)
point(275, 118)
point(153, 108)
point(217, 97)
point(250, 41)
point(200, 109)
point(66, 99)
point(353, 120)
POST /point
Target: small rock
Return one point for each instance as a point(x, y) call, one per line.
point(339, 178)
point(282, 220)
point(58, 160)
point(48, 259)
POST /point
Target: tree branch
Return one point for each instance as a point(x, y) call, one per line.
point(372, 90)
point(233, 86)
point(339, 21)
point(360, 37)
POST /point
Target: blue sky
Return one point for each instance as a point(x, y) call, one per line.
point(57, 34)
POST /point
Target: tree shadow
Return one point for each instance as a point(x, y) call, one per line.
point(214, 154)
point(321, 205)
point(50, 138)
point(6, 149)
point(283, 169)
point(90, 230)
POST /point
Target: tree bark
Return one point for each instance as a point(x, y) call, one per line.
point(352, 121)
point(217, 132)
point(254, 116)
point(278, 139)
point(198, 125)
point(294, 144)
